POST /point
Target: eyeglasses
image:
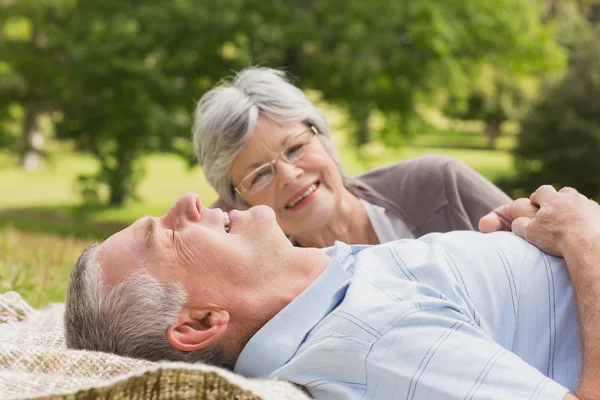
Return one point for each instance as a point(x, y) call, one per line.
point(262, 176)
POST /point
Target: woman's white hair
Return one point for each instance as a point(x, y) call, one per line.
point(129, 319)
point(226, 117)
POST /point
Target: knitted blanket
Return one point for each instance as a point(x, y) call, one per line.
point(35, 363)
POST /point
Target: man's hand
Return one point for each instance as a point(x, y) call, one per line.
point(557, 222)
point(502, 217)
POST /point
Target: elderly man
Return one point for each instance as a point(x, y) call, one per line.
point(460, 315)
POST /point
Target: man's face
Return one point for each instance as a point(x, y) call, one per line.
point(190, 245)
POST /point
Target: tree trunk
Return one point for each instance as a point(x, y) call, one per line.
point(492, 130)
point(33, 140)
point(118, 193)
point(293, 60)
point(552, 9)
point(361, 114)
point(593, 14)
point(121, 179)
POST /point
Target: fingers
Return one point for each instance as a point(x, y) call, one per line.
point(568, 189)
point(496, 220)
point(542, 195)
point(546, 192)
point(502, 217)
point(520, 225)
point(522, 208)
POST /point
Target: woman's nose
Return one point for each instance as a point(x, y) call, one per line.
point(287, 173)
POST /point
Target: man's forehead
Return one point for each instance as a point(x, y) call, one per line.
point(120, 255)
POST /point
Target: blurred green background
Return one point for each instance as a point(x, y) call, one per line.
point(97, 98)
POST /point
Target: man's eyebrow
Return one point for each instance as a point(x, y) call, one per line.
point(150, 230)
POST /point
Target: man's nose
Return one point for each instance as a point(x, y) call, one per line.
point(287, 173)
point(188, 207)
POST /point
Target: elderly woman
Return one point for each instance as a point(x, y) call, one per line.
point(261, 141)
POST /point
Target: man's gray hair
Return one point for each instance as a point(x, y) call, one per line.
point(226, 116)
point(128, 319)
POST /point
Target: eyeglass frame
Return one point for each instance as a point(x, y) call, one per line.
point(271, 163)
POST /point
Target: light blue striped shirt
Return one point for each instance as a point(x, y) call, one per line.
point(459, 315)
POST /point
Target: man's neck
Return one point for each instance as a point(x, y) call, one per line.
point(351, 225)
point(302, 267)
point(299, 269)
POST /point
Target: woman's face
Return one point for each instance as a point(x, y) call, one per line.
point(303, 194)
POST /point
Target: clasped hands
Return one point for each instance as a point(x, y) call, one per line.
point(559, 223)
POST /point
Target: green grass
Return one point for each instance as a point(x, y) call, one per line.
point(36, 265)
point(43, 229)
point(48, 200)
point(167, 177)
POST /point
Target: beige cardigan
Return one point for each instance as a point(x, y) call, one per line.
point(432, 193)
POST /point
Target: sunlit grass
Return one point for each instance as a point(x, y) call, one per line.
point(36, 265)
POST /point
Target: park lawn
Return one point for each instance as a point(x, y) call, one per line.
point(37, 265)
point(43, 229)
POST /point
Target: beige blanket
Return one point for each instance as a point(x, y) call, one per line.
point(34, 362)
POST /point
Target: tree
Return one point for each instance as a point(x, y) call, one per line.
point(559, 141)
point(390, 56)
point(31, 65)
point(494, 98)
point(135, 70)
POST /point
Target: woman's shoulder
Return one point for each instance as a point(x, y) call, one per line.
point(427, 167)
point(417, 188)
point(410, 189)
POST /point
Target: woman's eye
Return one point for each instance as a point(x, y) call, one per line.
point(294, 149)
point(259, 177)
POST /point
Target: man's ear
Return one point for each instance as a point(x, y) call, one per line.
point(197, 329)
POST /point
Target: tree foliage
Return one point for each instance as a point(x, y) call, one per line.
point(30, 63)
point(391, 56)
point(123, 75)
point(494, 98)
point(559, 141)
point(135, 71)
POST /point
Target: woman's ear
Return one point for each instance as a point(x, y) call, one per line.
point(197, 329)
point(335, 156)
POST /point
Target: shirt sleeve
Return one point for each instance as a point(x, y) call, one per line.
point(440, 354)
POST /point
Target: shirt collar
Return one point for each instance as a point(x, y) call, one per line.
point(279, 339)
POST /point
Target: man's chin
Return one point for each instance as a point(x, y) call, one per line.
point(262, 213)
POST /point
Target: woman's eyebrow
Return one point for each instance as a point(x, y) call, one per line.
point(284, 142)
